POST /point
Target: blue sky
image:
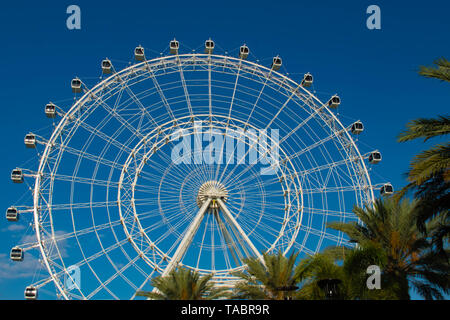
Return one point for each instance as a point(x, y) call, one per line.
point(374, 71)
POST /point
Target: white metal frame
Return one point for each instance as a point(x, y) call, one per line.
point(291, 177)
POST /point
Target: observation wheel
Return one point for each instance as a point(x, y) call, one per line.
point(197, 160)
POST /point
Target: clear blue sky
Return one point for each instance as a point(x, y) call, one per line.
point(374, 71)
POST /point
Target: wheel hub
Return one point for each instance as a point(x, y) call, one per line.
point(214, 190)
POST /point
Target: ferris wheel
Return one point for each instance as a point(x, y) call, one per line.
point(191, 159)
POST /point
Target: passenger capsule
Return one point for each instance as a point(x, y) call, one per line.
point(76, 85)
point(16, 254)
point(174, 46)
point(307, 80)
point(276, 63)
point(243, 52)
point(209, 46)
point(17, 175)
point(12, 214)
point(334, 102)
point(387, 189)
point(139, 53)
point(31, 293)
point(106, 66)
point(374, 157)
point(357, 127)
point(50, 110)
point(30, 140)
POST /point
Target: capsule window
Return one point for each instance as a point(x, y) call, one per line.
point(50, 107)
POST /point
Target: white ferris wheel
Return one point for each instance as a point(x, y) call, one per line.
point(187, 159)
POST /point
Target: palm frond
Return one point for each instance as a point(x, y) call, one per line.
point(441, 71)
point(429, 163)
point(425, 128)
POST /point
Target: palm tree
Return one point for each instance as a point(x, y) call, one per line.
point(429, 176)
point(319, 267)
point(348, 266)
point(429, 173)
point(410, 261)
point(273, 279)
point(184, 284)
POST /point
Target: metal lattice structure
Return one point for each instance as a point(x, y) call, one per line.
point(129, 185)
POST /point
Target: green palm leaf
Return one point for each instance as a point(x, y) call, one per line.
point(441, 71)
